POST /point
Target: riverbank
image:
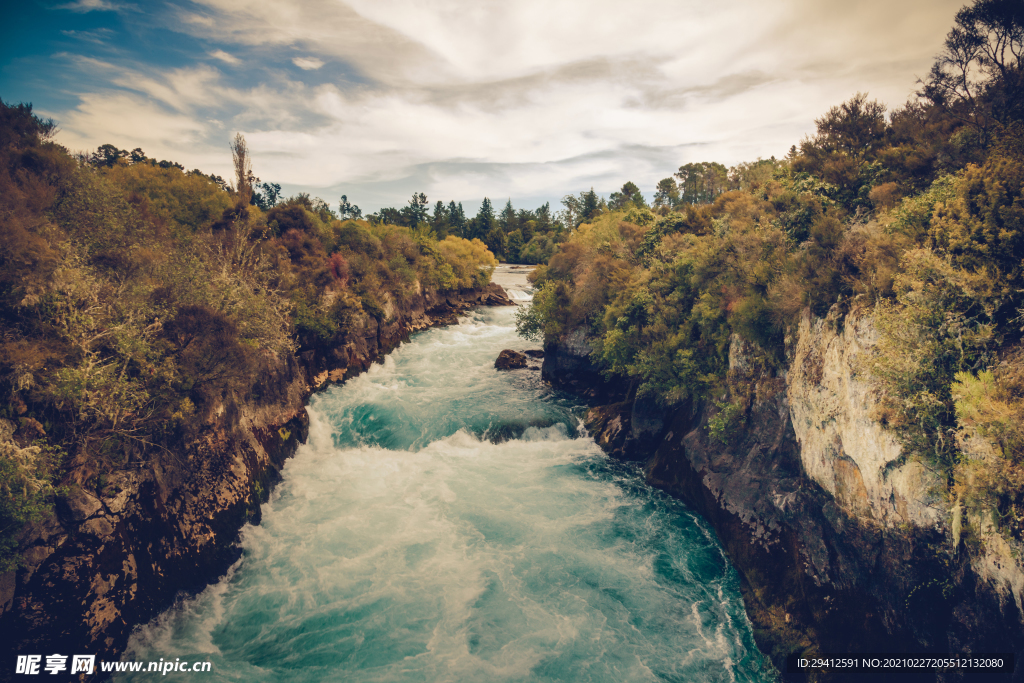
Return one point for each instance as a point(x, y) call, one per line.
point(113, 558)
point(840, 543)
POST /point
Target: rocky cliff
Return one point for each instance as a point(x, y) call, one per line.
point(842, 544)
point(113, 558)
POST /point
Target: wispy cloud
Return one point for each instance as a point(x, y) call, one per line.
point(532, 98)
point(308, 63)
point(83, 6)
point(225, 57)
point(98, 36)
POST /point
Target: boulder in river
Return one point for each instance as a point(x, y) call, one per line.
point(510, 360)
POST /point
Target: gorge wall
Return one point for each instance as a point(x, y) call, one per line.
point(842, 544)
point(113, 558)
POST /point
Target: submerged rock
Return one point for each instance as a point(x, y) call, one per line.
point(510, 360)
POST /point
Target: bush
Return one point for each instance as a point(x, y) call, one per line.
point(938, 326)
point(470, 261)
point(209, 354)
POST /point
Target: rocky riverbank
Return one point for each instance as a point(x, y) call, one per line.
point(841, 544)
point(114, 557)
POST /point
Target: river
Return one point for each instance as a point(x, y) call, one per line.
point(449, 522)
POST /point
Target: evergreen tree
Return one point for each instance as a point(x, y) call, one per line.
point(589, 205)
point(543, 215)
point(416, 212)
point(457, 218)
point(666, 193)
point(484, 220)
point(496, 241)
point(514, 246)
point(440, 221)
point(702, 182)
point(508, 218)
point(629, 195)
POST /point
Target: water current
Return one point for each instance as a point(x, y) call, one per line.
point(449, 522)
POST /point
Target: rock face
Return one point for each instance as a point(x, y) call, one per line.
point(510, 360)
point(567, 365)
point(842, 448)
point(113, 558)
point(841, 547)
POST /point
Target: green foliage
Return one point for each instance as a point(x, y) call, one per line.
point(19, 505)
point(186, 202)
point(938, 326)
point(723, 425)
point(989, 477)
point(26, 489)
point(982, 226)
point(470, 261)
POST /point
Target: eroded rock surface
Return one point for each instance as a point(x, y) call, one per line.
point(842, 447)
point(841, 544)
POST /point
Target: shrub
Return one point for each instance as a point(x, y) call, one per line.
point(209, 355)
point(938, 326)
point(470, 260)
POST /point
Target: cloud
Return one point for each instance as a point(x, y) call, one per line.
point(82, 6)
point(98, 36)
point(533, 98)
point(130, 121)
point(308, 63)
point(225, 57)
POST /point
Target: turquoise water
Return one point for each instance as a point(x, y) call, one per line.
point(447, 522)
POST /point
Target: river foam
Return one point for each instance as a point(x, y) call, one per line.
point(448, 522)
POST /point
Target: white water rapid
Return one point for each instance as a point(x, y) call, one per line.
point(449, 522)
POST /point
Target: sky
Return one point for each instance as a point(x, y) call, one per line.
point(527, 100)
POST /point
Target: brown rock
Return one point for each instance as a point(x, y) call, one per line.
point(510, 360)
point(81, 505)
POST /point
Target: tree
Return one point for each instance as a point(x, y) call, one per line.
point(573, 211)
point(484, 220)
point(628, 196)
point(268, 195)
point(666, 193)
point(323, 209)
point(855, 127)
point(457, 218)
point(514, 246)
point(107, 156)
point(590, 206)
point(416, 212)
point(348, 210)
point(979, 77)
point(508, 217)
point(388, 216)
point(543, 214)
point(243, 169)
point(702, 182)
point(439, 222)
point(526, 222)
point(497, 241)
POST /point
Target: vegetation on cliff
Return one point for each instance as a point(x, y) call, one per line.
point(138, 300)
point(919, 213)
